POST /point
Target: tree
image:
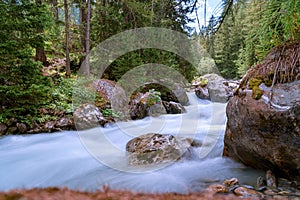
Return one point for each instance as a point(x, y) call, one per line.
point(87, 39)
point(68, 67)
point(23, 88)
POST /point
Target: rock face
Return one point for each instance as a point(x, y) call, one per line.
point(154, 148)
point(266, 134)
point(88, 116)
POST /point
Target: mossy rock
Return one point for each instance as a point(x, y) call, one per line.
point(268, 82)
point(257, 93)
point(203, 82)
point(254, 82)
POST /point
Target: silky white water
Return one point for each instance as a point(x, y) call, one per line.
point(88, 160)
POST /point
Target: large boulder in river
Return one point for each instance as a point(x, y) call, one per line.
point(154, 148)
point(218, 92)
point(170, 91)
point(112, 93)
point(263, 126)
point(148, 104)
point(214, 87)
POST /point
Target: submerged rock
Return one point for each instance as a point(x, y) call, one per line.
point(154, 148)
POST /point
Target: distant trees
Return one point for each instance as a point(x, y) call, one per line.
point(249, 31)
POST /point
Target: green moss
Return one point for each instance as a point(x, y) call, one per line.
point(254, 82)
point(203, 82)
point(257, 93)
point(268, 82)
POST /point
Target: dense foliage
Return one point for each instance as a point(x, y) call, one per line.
point(32, 35)
point(249, 31)
point(23, 89)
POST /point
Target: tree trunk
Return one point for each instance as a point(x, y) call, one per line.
point(55, 10)
point(87, 39)
point(40, 54)
point(68, 67)
point(83, 20)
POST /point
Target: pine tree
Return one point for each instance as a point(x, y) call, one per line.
point(23, 89)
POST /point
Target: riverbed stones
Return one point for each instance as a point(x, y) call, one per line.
point(3, 129)
point(22, 128)
point(246, 192)
point(231, 182)
point(155, 148)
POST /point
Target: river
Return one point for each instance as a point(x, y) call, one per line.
point(88, 160)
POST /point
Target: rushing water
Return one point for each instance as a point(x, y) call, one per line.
point(88, 160)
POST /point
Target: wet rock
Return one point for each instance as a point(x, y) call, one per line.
point(157, 109)
point(217, 88)
point(12, 130)
point(88, 116)
point(202, 93)
point(154, 148)
point(22, 127)
point(260, 182)
point(3, 129)
point(217, 188)
point(231, 182)
point(169, 90)
point(173, 107)
point(138, 110)
point(142, 105)
point(265, 136)
point(112, 93)
point(271, 180)
point(246, 192)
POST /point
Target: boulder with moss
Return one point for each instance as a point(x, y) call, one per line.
point(263, 126)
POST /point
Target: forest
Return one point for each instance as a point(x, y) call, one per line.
point(43, 44)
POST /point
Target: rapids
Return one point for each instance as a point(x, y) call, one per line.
point(88, 160)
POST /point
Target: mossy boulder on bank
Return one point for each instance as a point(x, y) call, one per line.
point(263, 119)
